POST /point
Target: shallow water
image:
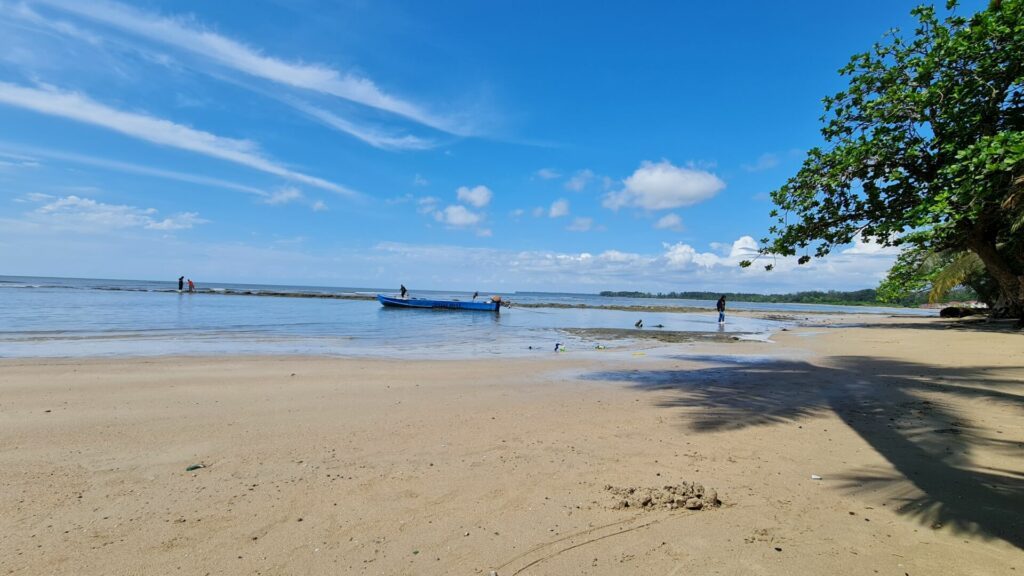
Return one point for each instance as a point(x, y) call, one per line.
point(47, 317)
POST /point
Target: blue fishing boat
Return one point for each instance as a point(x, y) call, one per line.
point(485, 306)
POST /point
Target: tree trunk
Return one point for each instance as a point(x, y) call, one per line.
point(1010, 303)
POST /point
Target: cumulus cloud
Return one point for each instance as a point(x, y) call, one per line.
point(579, 180)
point(548, 174)
point(559, 208)
point(581, 225)
point(682, 255)
point(457, 216)
point(86, 214)
point(672, 266)
point(661, 186)
point(670, 222)
point(477, 196)
point(870, 248)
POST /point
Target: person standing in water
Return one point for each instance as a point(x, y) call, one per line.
point(181, 283)
point(721, 309)
point(191, 286)
point(404, 291)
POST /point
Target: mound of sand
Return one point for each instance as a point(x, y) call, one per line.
point(689, 495)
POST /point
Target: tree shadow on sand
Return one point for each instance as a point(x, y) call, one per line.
point(895, 406)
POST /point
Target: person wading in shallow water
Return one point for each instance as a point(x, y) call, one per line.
point(191, 286)
point(721, 310)
point(404, 291)
point(181, 283)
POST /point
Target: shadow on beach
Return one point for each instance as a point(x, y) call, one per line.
point(895, 406)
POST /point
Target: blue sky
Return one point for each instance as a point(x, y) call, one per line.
point(571, 146)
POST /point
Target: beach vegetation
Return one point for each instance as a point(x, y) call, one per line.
point(924, 149)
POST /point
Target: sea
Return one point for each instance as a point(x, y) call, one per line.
point(76, 317)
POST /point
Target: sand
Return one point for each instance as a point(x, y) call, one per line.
point(520, 466)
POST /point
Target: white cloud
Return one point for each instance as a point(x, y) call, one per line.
point(581, 225)
point(670, 222)
point(420, 181)
point(559, 208)
point(41, 247)
point(181, 221)
point(136, 169)
point(579, 180)
point(477, 196)
point(81, 108)
point(764, 162)
point(870, 248)
point(517, 213)
point(371, 136)
point(662, 186)
point(458, 216)
point(284, 196)
point(427, 204)
point(538, 211)
point(319, 206)
point(12, 161)
point(484, 233)
point(187, 35)
point(682, 255)
point(548, 174)
point(86, 214)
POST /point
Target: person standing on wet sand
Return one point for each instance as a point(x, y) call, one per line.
point(721, 309)
point(181, 283)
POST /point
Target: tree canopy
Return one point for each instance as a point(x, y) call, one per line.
point(923, 149)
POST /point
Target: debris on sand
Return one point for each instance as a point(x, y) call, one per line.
point(689, 495)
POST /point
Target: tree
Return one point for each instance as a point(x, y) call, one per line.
point(924, 149)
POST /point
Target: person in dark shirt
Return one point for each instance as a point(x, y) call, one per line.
point(404, 291)
point(181, 283)
point(721, 310)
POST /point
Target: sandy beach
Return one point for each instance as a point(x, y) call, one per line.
point(521, 466)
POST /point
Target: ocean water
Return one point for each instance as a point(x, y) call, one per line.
point(64, 317)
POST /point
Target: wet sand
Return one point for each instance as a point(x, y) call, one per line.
point(521, 466)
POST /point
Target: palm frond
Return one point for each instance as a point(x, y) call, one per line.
point(954, 274)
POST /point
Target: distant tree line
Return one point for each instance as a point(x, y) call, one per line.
point(866, 297)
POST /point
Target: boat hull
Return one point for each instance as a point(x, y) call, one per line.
point(425, 303)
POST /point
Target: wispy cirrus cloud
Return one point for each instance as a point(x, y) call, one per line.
point(16, 150)
point(371, 136)
point(81, 108)
point(189, 36)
